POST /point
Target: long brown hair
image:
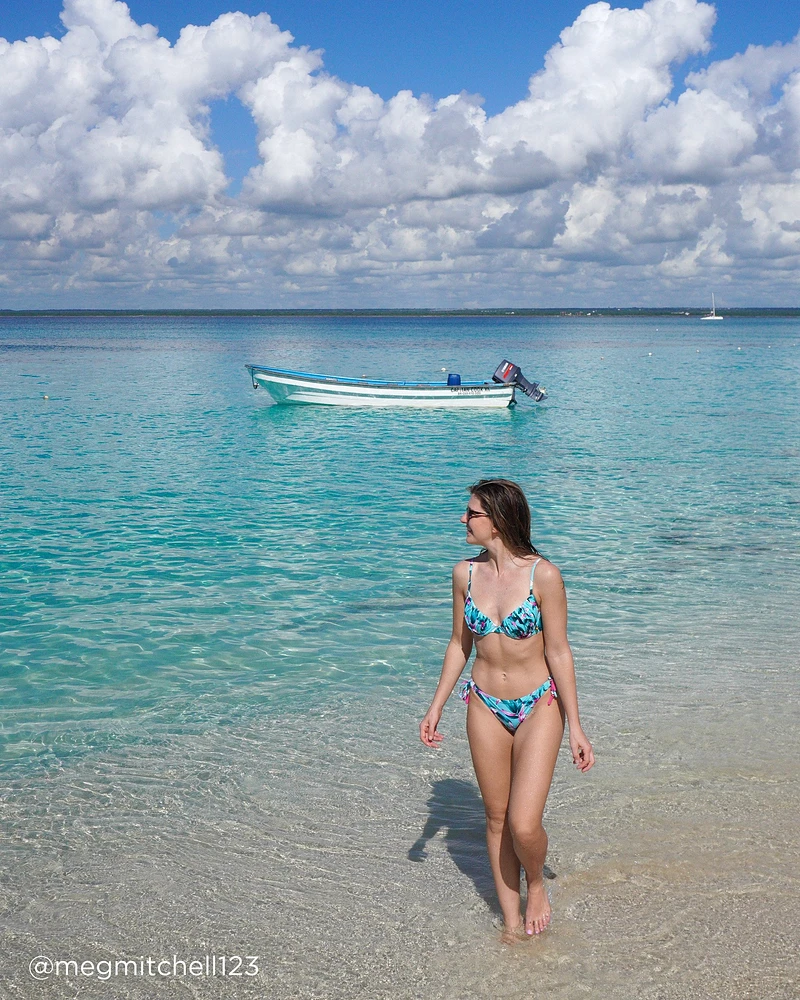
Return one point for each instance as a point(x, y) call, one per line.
point(509, 512)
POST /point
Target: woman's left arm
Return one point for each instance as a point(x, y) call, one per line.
point(553, 604)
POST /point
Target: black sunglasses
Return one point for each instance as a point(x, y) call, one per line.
point(474, 513)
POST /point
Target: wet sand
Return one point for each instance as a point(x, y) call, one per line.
point(353, 863)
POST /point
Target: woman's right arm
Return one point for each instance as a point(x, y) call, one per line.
point(455, 659)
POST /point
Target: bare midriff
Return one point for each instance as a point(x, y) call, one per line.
point(509, 668)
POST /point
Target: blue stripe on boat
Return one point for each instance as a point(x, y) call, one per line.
point(364, 381)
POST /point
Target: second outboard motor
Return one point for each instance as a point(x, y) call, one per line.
point(510, 374)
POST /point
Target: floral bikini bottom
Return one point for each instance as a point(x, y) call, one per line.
point(510, 711)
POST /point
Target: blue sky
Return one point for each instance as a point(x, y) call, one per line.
point(438, 49)
point(428, 46)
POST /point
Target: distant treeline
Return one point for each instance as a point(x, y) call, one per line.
point(576, 312)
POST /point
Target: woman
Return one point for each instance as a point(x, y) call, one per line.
point(522, 687)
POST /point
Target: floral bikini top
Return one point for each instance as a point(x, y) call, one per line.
point(521, 623)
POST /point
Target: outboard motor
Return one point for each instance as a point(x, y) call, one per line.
point(510, 374)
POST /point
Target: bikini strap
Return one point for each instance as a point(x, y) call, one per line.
point(469, 581)
point(533, 570)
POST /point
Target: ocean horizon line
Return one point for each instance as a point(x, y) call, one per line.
point(565, 312)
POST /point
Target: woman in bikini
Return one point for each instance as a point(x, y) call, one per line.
point(521, 690)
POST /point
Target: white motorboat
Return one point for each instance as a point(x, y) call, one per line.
point(287, 386)
point(713, 313)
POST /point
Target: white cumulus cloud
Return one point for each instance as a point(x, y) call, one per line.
point(604, 176)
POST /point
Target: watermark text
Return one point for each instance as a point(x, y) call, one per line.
point(43, 968)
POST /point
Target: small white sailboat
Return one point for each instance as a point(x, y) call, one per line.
point(713, 313)
point(286, 386)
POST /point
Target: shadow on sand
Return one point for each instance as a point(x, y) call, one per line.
point(455, 807)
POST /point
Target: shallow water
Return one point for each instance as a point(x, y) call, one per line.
point(222, 620)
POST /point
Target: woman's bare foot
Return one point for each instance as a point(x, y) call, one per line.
point(537, 910)
point(512, 935)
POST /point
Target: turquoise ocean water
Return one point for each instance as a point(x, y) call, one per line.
point(221, 621)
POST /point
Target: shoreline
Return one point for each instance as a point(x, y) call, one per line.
point(674, 863)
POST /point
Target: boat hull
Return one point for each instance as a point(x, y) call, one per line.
point(304, 388)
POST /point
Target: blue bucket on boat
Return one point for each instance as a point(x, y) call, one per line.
point(453, 379)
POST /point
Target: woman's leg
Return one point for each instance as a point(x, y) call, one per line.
point(535, 749)
point(490, 744)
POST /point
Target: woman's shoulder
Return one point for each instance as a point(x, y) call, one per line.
point(461, 571)
point(547, 574)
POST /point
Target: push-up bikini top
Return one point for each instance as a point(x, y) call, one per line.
point(521, 623)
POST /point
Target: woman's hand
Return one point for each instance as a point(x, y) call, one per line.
point(427, 728)
point(582, 753)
